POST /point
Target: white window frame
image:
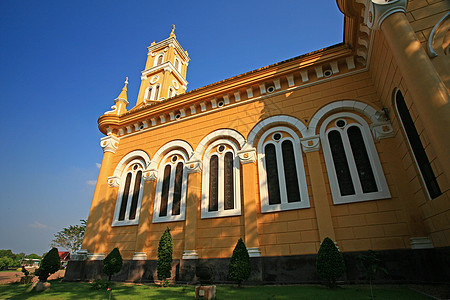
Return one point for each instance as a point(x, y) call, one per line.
point(159, 184)
point(221, 212)
point(155, 62)
point(126, 221)
point(359, 196)
point(179, 64)
point(262, 172)
point(148, 93)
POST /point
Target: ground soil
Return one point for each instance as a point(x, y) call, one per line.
point(10, 277)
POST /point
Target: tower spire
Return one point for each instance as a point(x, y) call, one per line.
point(121, 102)
point(123, 93)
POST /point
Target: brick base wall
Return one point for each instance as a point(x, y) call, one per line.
point(403, 266)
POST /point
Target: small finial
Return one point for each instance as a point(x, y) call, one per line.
point(173, 30)
point(126, 80)
point(173, 27)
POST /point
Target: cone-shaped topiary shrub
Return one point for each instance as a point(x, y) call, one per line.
point(49, 265)
point(239, 267)
point(112, 263)
point(330, 263)
point(165, 250)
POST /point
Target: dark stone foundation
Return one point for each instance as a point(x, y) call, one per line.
point(403, 266)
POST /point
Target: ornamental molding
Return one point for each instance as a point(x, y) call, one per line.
point(378, 10)
point(114, 181)
point(382, 130)
point(109, 143)
point(150, 175)
point(165, 66)
point(167, 42)
point(247, 156)
point(194, 166)
point(310, 144)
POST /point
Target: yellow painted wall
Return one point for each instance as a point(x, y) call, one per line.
point(378, 224)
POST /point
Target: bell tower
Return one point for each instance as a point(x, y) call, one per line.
point(165, 71)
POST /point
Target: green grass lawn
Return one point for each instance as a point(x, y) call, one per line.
point(72, 290)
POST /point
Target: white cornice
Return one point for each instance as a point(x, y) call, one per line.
point(166, 66)
point(166, 43)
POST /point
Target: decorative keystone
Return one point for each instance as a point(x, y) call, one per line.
point(114, 181)
point(378, 10)
point(310, 144)
point(194, 166)
point(247, 156)
point(109, 143)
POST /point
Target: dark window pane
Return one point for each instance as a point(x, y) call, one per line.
point(160, 58)
point(156, 92)
point(165, 192)
point(177, 64)
point(417, 148)
point(290, 172)
point(123, 204)
point(229, 186)
point(273, 183)
point(134, 201)
point(340, 164)
point(177, 189)
point(362, 161)
point(213, 183)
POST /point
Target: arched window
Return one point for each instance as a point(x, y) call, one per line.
point(418, 150)
point(221, 180)
point(155, 96)
point(130, 194)
point(177, 64)
point(159, 60)
point(353, 166)
point(170, 197)
point(148, 93)
point(281, 171)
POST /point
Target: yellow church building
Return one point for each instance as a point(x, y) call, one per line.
point(349, 142)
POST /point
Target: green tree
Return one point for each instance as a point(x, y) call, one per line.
point(70, 238)
point(165, 251)
point(330, 263)
point(6, 262)
point(32, 256)
point(49, 265)
point(239, 268)
point(113, 263)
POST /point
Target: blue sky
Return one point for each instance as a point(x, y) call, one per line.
point(62, 63)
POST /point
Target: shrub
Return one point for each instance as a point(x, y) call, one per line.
point(239, 268)
point(49, 265)
point(371, 264)
point(101, 284)
point(330, 263)
point(165, 251)
point(112, 263)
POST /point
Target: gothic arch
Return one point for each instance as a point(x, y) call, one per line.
point(137, 154)
point(352, 105)
point(281, 119)
point(167, 148)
